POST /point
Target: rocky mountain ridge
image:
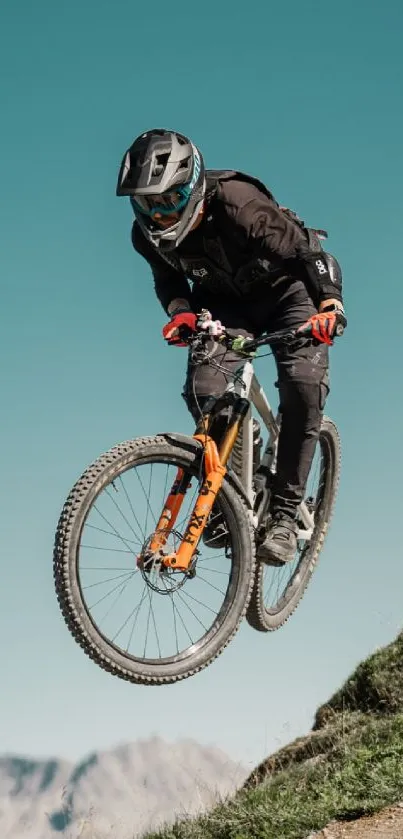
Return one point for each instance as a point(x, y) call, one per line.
point(132, 789)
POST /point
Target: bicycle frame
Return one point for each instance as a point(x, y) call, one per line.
point(236, 448)
point(246, 384)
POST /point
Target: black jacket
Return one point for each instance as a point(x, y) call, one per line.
point(244, 245)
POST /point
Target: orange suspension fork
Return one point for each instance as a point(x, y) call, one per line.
point(215, 470)
point(214, 475)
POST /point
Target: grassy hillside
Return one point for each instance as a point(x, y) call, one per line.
point(350, 764)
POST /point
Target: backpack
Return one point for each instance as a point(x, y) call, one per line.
point(214, 176)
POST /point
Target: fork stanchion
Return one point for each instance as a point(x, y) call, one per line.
point(171, 511)
point(214, 476)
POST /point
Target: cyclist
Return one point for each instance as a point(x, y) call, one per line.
point(218, 240)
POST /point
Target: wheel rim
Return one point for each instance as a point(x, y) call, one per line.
point(151, 617)
point(280, 584)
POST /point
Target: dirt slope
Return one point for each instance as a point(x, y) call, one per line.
point(388, 824)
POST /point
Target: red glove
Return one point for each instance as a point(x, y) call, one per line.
point(323, 325)
point(183, 322)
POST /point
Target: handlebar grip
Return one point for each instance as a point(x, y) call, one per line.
point(338, 332)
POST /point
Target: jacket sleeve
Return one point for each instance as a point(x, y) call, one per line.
point(169, 283)
point(270, 233)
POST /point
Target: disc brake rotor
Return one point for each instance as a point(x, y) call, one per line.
point(159, 577)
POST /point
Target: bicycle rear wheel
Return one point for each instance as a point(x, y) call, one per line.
point(278, 591)
point(149, 625)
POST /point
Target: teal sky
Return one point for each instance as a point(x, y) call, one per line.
point(306, 96)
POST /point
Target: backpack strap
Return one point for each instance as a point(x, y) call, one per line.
point(314, 234)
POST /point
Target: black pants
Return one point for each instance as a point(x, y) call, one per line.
point(302, 378)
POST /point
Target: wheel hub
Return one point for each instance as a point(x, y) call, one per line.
point(159, 575)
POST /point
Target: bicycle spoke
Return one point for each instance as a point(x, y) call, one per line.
point(183, 624)
point(109, 532)
point(193, 613)
point(150, 612)
point(131, 507)
point(154, 624)
point(195, 600)
point(175, 628)
point(118, 596)
point(107, 595)
point(214, 571)
point(137, 610)
point(207, 582)
point(211, 558)
point(114, 528)
point(122, 514)
point(114, 550)
point(125, 622)
point(145, 496)
point(109, 580)
point(175, 611)
point(106, 568)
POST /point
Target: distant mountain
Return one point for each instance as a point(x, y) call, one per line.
point(120, 793)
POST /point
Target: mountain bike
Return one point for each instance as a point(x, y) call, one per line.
point(142, 589)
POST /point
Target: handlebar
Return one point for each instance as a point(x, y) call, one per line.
point(248, 346)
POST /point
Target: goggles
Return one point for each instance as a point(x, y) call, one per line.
point(164, 204)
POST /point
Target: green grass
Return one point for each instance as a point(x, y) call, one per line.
point(376, 686)
point(351, 764)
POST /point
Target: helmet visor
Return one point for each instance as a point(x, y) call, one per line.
point(163, 204)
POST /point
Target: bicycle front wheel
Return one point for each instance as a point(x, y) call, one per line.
point(149, 625)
